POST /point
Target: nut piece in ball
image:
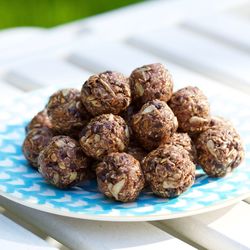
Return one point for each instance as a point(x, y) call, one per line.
point(169, 170)
point(154, 124)
point(107, 92)
point(119, 176)
point(63, 163)
point(151, 82)
point(66, 112)
point(103, 135)
point(34, 143)
point(183, 139)
point(40, 120)
point(219, 150)
point(191, 108)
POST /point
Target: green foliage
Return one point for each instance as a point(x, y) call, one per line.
point(48, 13)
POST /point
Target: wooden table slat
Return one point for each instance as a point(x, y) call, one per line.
point(13, 236)
point(225, 228)
point(226, 27)
point(199, 53)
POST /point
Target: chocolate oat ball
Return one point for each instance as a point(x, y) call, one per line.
point(40, 120)
point(151, 82)
point(169, 170)
point(63, 163)
point(219, 150)
point(154, 124)
point(104, 134)
point(67, 114)
point(183, 139)
point(119, 176)
point(36, 140)
point(191, 108)
point(107, 92)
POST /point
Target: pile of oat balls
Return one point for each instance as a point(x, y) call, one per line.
point(129, 133)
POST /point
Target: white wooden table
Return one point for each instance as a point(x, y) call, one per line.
point(203, 42)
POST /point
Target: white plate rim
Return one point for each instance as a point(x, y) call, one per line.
point(127, 218)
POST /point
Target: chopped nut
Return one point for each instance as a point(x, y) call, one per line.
point(139, 89)
point(60, 143)
point(53, 157)
point(197, 120)
point(148, 109)
point(96, 103)
point(97, 138)
point(211, 147)
point(55, 178)
point(115, 189)
point(73, 176)
point(61, 165)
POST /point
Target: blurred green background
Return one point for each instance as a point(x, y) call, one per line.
point(48, 13)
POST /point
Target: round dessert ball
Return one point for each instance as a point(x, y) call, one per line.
point(169, 170)
point(34, 143)
point(151, 82)
point(40, 120)
point(219, 150)
point(119, 176)
point(107, 92)
point(104, 134)
point(191, 108)
point(63, 163)
point(154, 124)
point(183, 139)
point(67, 114)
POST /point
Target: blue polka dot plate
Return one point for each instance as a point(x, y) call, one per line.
point(22, 184)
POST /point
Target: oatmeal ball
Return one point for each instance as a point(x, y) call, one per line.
point(154, 124)
point(63, 163)
point(191, 108)
point(136, 151)
point(151, 82)
point(40, 120)
point(66, 112)
point(183, 139)
point(104, 134)
point(169, 170)
point(119, 176)
point(219, 150)
point(34, 143)
point(107, 92)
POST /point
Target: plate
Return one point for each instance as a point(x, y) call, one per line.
point(21, 183)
